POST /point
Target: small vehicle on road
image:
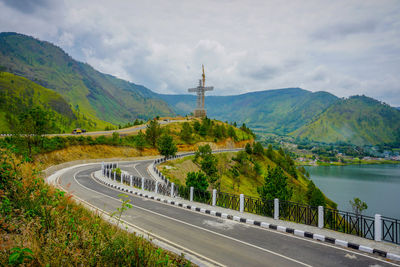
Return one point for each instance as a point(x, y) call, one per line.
point(78, 131)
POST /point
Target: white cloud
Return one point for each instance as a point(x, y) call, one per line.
point(339, 46)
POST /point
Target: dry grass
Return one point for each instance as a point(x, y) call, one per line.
point(60, 232)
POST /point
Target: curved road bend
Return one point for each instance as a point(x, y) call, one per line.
point(224, 241)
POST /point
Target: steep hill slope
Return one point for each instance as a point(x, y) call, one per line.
point(96, 95)
point(18, 94)
point(359, 120)
point(279, 111)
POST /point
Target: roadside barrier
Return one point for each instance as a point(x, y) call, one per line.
point(378, 228)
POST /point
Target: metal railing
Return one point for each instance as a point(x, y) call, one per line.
point(349, 223)
point(391, 230)
point(337, 220)
point(299, 213)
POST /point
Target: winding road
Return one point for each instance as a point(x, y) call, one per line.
point(214, 240)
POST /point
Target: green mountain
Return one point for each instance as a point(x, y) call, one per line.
point(18, 94)
point(100, 97)
point(359, 120)
point(279, 111)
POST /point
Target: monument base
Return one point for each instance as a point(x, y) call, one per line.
point(200, 113)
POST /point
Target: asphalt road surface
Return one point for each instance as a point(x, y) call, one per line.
point(223, 242)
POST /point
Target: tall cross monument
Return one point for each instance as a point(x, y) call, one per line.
point(200, 90)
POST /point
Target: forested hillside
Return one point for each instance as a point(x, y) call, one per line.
point(279, 111)
point(19, 95)
point(100, 97)
point(359, 120)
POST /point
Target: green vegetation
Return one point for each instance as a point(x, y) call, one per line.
point(279, 111)
point(20, 96)
point(97, 96)
point(198, 180)
point(208, 163)
point(358, 205)
point(275, 185)
point(245, 172)
point(153, 131)
point(358, 120)
point(42, 226)
point(166, 146)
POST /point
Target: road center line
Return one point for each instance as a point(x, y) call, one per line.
point(198, 227)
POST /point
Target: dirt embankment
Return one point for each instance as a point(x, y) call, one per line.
point(79, 154)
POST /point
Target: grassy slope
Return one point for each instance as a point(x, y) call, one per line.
point(176, 171)
point(280, 111)
point(359, 120)
point(59, 231)
point(98, 96)
point(18, 93)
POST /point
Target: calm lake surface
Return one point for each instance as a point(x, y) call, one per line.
point(377, 185)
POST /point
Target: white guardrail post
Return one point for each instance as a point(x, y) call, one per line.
point(156, 188)
point(214, 197)
point(172, 189)
point(115, 176)
point(130, 181)
point(378, 227)
point(191, 193)
point(122, 178)
point(276, 209)
point(142, 183)
point(320, 216)
point(241, 202)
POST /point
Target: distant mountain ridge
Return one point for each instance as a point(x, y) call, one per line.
point(99, 96)
point(359, 120)
point(101, 99)
point(281, 110)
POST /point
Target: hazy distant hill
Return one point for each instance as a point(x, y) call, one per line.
point(99, 96)
point(359, 120)
point(18, 94)
point(280, 111)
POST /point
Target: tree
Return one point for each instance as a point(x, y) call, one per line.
point(248, 149)
point(317, 198)
point(202, 151)
point(166, 146)
point(197, 179)
point(358, 206)
point(258, 149)
point(186, 132)
point(270, 152)
point(140, 141)
point(115, 138)
point(31, 126)
point(153, 131)
point(196, 126)
point(208, 163)
point(232, 133)
point(275, 185)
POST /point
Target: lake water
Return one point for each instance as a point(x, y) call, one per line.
point(377, 185)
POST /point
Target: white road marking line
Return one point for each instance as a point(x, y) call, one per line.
point(301, 237)
point(201, 228)
point(182, 248)
point(276, 232)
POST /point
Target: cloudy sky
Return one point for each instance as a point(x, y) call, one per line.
point(343, 47)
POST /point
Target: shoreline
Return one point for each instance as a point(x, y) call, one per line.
point(362, 162)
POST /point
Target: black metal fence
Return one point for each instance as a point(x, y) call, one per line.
point(228, 201)
point(391, 230)
point(299, 213)
point(337, 220)
point(349, 223)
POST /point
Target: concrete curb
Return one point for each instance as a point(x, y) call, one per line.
point(296, 232)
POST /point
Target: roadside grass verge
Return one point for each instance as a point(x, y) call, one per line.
point(35, 216)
